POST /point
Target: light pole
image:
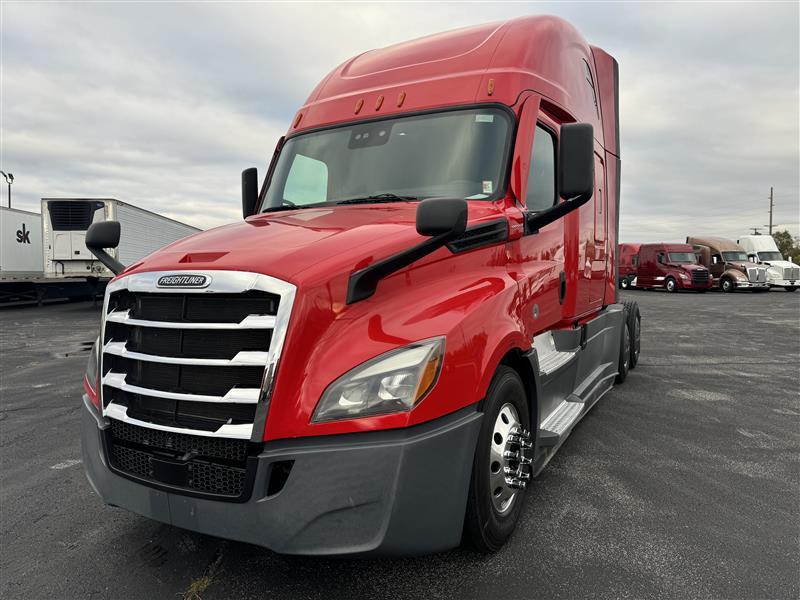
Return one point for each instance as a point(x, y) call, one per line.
point(9, 180)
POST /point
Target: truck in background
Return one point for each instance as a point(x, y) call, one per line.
point(66, 220)
point(728, 264)
point(672, 267)
point(627, 263)
point(762, 250)
point(415, 312)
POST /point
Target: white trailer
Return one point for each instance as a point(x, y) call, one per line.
point(762, 250)
point(20, 245)
point(64, 225)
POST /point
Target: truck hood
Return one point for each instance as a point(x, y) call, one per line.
point(784, 264)
point(299, 245)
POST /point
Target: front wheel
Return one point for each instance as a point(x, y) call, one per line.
point(625, 283)
point(790, 288)
point(502, 466)
point(727, 285)
point(634, 320)
point(671, 285)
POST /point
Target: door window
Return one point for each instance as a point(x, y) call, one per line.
point(542, 175)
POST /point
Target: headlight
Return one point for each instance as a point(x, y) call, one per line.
point(90, 383)
point(684, 276)
point(392, 382)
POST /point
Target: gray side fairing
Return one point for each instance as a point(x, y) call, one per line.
point(566, 394)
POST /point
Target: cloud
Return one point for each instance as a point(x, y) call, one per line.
point(163, 105)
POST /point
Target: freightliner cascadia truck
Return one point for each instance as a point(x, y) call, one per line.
point(672, 267)
point(417, 308)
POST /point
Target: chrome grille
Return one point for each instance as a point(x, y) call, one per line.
point(193, 360)
point(791, 273)
point(700, 276)
point(756, 275)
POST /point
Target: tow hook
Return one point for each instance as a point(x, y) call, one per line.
point(518, 458)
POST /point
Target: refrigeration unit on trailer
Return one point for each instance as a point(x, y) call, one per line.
point(672, 267)
point(727, 262)
point(417, 308)
point(66, 220)
point(762, 250)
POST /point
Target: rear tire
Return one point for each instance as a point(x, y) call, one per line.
point(487, 526)
point(634, 319)
point(624, 364)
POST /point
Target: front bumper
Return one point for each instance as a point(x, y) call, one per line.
point(398, 492)
point(750, 285)
point(784, 282)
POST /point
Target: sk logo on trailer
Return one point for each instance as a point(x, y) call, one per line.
point(183, 281)
point(23, 235)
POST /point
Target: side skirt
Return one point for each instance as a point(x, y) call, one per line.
point(575, 368)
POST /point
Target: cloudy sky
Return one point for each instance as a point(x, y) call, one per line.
point(163, 105)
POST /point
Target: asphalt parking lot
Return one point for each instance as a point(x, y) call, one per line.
point(684, 482)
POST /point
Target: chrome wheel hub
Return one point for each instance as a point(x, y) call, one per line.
point(509, 458)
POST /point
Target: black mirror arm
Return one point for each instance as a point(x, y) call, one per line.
point(109, 261)
point(536, 220)
point(364, 282)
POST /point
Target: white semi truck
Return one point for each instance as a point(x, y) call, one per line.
point(64, 225)
point(762, 250)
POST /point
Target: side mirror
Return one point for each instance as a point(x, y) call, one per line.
point(249, 191)
point(442, 216)
point(100, 236)
point(575, 174)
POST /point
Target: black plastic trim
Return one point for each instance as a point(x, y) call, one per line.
point(480, 235)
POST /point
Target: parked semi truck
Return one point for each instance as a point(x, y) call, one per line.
point(728, 264)
point(762, 250)
point(66, 220)
point(416, 310)
point(627, 264)
point(671, 267)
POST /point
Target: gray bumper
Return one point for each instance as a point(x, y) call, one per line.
point(399, 492)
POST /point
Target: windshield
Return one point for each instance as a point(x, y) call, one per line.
point(734, 256)
point(458, 154)
point(770, 256)
point(682, 257)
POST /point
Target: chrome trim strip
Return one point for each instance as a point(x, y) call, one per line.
point(234, 395)
point(120, 413)
point(249, 322)
point(243, 358)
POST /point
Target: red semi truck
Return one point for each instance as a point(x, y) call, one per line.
point(671, 267)
point(418, 307)
point(627, 264)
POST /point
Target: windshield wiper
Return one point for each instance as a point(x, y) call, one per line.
point(287, 205)
point(388, 197)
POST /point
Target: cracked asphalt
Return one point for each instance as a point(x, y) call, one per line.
point(684, 482)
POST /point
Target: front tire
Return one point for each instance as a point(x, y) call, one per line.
point(790, 288)
point(494, 506)
point(727, 285)
point(671, 285)
point(624, 284)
